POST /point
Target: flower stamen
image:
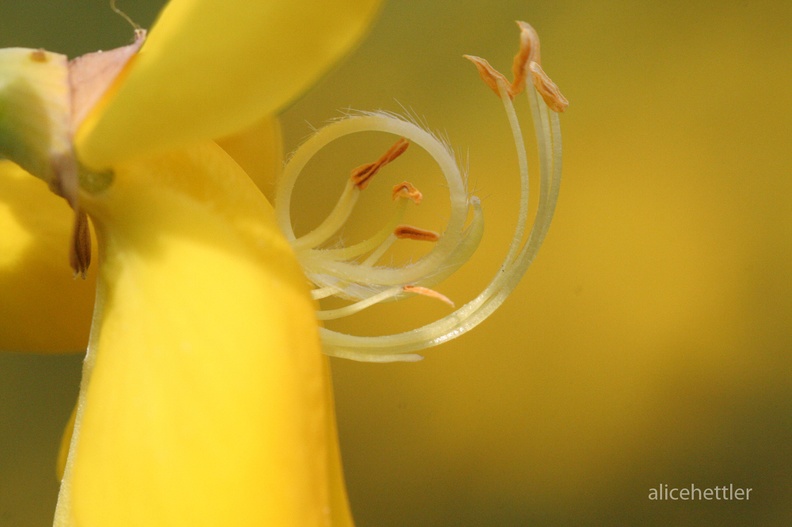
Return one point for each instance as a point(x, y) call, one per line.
point(363, 174)
point(80, 248)
point(431, 293)
point(358, 181)
point(337, 272)
point(489, 75)
point(529, 52)
point(547, 89)
point(405, 189)
point(415, 233)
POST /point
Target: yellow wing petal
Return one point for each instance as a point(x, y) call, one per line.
point(206, 404)
point(43, 308)
point(214, 67)
point(259, 151)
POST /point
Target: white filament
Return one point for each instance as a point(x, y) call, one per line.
point(327, 271)
point(366, 284)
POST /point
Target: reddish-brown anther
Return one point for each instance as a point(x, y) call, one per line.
point(363, 174)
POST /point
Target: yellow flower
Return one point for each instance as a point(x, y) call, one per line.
point(205, 397)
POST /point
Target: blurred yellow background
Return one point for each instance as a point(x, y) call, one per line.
point(650, 341)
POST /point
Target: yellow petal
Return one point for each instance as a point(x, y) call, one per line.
point(339, 502)
point(259, 151)
point(43, 308)
point(213, 67)
point(206, 404)
point(63, 449)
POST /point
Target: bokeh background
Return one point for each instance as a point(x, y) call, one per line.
point(649, 343)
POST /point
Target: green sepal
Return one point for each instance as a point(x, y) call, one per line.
point(35, 111)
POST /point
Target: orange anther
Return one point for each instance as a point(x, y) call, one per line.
point(529, 52)
point(363, 174)
point(80, 248)
point(489, 75)
point(414, 233)
point(547, 89)
point(405, 189)
point(527, 59)
point(425, 291)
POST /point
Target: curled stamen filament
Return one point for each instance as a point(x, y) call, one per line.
point(366, 284)
point(354, 280)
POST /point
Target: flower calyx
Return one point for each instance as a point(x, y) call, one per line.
point(44, 98)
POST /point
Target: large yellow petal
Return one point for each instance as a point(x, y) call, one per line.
point(206, 403)
point(213, 67)
point(42, 307)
